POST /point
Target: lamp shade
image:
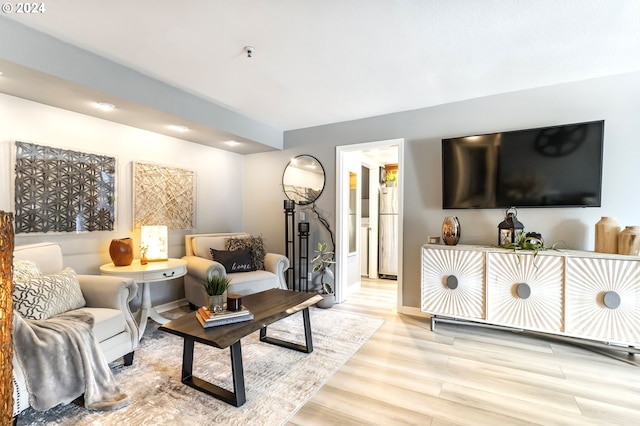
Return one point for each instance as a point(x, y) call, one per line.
point(6, 317)
point(510, 229)
point(155, 241)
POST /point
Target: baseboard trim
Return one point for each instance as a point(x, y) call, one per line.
point(171, 305)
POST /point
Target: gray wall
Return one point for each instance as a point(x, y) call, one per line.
point(615, 99)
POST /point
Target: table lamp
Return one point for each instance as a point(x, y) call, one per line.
point(154, 240)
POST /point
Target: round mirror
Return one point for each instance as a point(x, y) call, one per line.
point(303, 179)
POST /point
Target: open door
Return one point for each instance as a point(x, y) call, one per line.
point(350, 159)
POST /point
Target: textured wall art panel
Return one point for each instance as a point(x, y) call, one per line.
point(467, 299)
point(163, 195)
point(60, 190)
point(538, 306)
point(589, 314)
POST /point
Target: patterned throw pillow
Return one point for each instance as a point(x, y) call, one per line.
point(24, 270)
point(234, 260)
point(256, 244)
point(44, 296)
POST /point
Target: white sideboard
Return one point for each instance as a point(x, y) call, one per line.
point(576, 294)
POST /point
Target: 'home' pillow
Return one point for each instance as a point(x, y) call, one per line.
point(234, 260)
point(256, 244)
point(44, 296)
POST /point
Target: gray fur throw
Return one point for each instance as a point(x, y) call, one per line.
point(62, 361)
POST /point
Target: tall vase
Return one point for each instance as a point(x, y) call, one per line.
point(451, 230)
point(607, 230)
point(629, 241)
point(121, 251)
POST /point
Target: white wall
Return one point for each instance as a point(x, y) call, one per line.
point(219, 176)
point(615, 99)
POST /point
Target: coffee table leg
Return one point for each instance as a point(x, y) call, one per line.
point(307, 348)
point(236, 398)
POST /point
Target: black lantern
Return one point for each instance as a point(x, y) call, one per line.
point(510, 229)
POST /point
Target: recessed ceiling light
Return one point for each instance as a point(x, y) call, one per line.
point(1, 73)
point(105, 106)
point(232, 143)
point(178, 128)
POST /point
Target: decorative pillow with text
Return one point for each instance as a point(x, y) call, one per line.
point(234, 260)
point(256, 244)
point(44, 296)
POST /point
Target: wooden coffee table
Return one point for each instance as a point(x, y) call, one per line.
point(267, 307)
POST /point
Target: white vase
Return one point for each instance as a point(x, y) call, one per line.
point(607, 230)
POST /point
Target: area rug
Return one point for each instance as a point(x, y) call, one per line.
point(278, 381)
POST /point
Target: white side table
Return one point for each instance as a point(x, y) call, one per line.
point(144, 275)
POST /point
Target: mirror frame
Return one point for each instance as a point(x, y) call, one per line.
point(297, 199)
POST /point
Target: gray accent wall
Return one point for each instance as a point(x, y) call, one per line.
point(615, 99)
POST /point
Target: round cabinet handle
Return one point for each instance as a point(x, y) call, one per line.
point(167, 275)
point(611, 299)
point(451, 282)
point(523, 290)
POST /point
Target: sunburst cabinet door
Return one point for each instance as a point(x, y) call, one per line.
point(453, 283)
point(525, 291)
point(603, 299)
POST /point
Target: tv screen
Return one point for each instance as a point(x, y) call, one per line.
point(559, 166)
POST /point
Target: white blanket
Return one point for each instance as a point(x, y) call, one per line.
point(62, 361)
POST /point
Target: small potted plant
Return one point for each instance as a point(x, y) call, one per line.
point(322, 262)
point(215, 286)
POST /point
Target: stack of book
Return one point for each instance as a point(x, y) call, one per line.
point(212, 319)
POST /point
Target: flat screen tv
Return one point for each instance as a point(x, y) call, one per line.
point(558, 166)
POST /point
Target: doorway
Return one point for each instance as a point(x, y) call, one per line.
point(350, 160)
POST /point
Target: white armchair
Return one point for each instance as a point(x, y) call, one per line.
point(107, 299)
point(200, 267)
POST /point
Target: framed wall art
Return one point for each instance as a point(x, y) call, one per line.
point(62, 190)
point(163, 195)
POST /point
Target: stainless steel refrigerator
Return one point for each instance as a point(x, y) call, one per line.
point(388, 232)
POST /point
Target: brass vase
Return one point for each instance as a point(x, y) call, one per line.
point(121, 251)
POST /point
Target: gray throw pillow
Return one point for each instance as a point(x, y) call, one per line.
point(44, 296)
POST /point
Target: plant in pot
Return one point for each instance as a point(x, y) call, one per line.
point(215, 286)
point(322, 262)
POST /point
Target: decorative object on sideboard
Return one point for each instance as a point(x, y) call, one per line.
point(433, 239)
point(6, 317)
point(510, 229)
point(155, 240)
point(629, 241)
point(215, 286)
point(451, 230)
point(121, 251)
point(607, 230)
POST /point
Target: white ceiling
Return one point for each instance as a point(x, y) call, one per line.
point(320, 62)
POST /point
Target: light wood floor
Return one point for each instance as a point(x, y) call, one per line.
point(461, 375)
